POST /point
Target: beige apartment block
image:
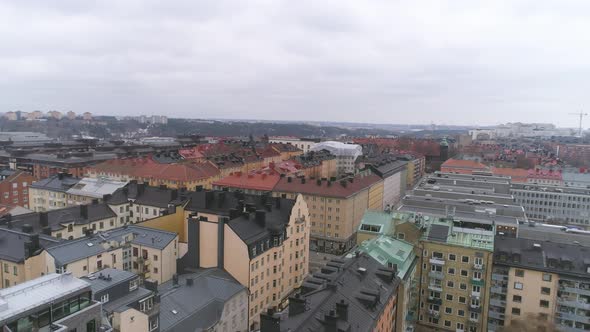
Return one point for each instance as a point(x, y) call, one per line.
point(261, 241)
point(336, 207)
point(456, 266)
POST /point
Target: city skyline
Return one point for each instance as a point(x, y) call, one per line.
point(373, 62)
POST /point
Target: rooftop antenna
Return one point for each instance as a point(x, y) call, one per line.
point(581, 115)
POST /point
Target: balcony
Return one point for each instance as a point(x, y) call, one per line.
point(496, 315)
point(574, 303)
point(475, 294)
point(434, 300)
point(499, 290)
point(573, 317)
point(475, 309)
point(477, 267)
point(436, 275)
point(473, 320)
point(434, 313)
point(437, 261)
point(435, 287)
point(497, 303)
point(574, 290)
point(477, 282)
point(499, 277)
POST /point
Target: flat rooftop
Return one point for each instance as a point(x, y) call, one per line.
point(28, 295)
point(550, 189)
point(446, 231)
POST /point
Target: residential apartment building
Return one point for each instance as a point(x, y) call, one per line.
point(416, 168)
point(252, 183)
point(63, 190)
point(346, 154)
point(20, 258)
point(146, 170)
point(262, 242)
point(304, 144)
point(150, 253)
point(126, 305)
point(318, 164)
point(14, 188)
point(51, 193)
point(356, 293)
point(209, 299)
point(542, 281)
point(335, 207)
point(554, 204)
point(393, 173)
point(400, 256)
point(67, 223)
point(455, 274)
point(54, 302)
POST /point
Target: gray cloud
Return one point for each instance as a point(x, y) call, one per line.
point(454, 62)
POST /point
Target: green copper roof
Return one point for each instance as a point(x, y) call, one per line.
point(387, 250)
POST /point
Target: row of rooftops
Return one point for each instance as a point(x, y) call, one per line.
point(550, 188)
point(90, 187)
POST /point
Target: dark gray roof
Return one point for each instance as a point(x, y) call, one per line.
point(250, 230)
point(146, 195)
point(55, 218)
point(384, 165)
point(564, 259)
point(57, 182)
point(74, 250)
point(116, 276)
point(198, 306)
point(122, 304)
point(12, 244)
point(438, 233)
point(353, 281)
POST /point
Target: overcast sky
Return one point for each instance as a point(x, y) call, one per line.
point(452, 62)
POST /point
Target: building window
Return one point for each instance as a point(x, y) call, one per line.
point(545, 290)
point(465, 259)
point(450, 284)
point(519, 273)
point(449, 297)
point(451, 270)
point(464, 273)
point(133, 284)
point(516, 298)
point(104, 298)
point(518, 285)
point(154, 324)
point(544, 304)
point(516, 311)
point(448, 310)
point(546, 277)
point(462, 299)
point(452, 257)
point(463, 286)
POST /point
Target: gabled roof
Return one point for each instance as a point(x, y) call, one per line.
point(252, 181)
point(57, 182)
point(467, 164)
point(199, 306)
point(12, 244)
point(340, 189)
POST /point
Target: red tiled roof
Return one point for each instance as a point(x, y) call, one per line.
point(459, 163)
point(253, 181)
point(335, 189)
point(147, 168)
point(517, 174)
point(190, 153)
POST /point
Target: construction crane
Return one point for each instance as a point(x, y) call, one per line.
point(581, 115)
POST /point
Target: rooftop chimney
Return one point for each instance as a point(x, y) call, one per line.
point(296, 305)
point(84, 211)
point(27, 228)
point(269, 323)
point(342, 310)
point(43, 219)
point(261, 218)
